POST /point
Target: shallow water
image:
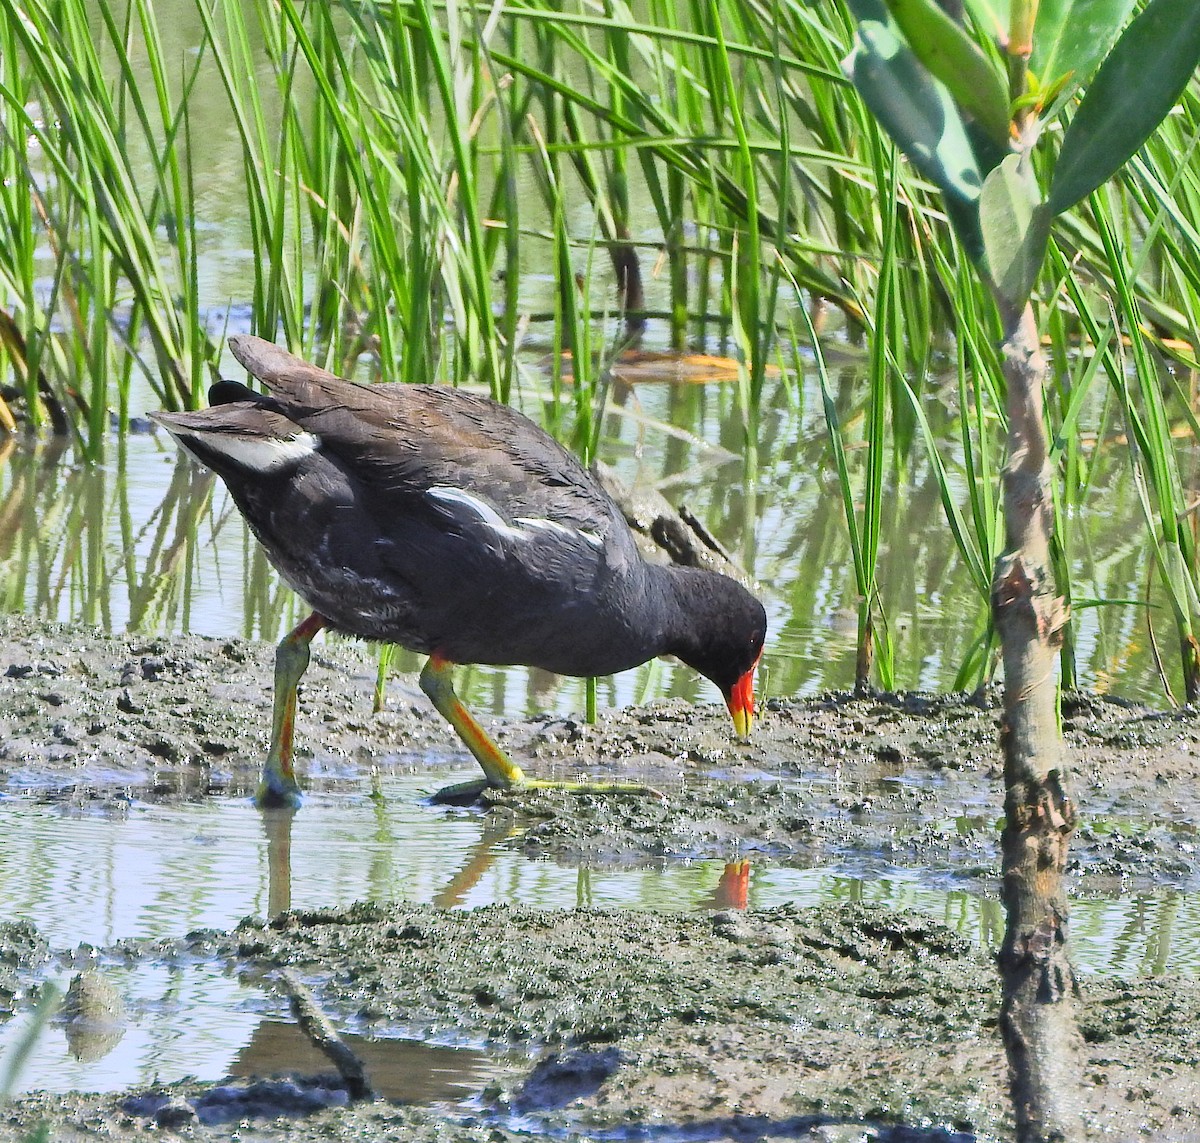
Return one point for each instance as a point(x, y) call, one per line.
point(94, 876)
point(144, 543)
point(195, 1020)
point(149, 871)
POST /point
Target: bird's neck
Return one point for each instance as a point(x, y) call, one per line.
point(681, 596)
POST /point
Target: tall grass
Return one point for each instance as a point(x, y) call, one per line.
point(383, 148)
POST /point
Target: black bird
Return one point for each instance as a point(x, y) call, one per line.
point(430, 517)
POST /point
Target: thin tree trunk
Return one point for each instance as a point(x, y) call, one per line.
point(1038, 1014)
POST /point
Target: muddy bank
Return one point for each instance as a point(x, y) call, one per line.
point(818, 1024)
point(845, 1023)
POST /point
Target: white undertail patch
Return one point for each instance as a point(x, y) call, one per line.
point(254, 453)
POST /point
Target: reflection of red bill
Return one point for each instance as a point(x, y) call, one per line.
point(733, 890)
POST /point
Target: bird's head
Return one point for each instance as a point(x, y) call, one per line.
point(724, 640)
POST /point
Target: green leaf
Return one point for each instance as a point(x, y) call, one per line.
point(951, 56)
point(992, 17)
point(1071, 37)
point(918, 113)
point(1175, 567)
point(1015, 225)
point(1135, 88)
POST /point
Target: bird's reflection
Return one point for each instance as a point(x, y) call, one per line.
point(277, 826)
point(732, 890)
point(480, 858)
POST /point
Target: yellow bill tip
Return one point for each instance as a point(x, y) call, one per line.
point(741, 704)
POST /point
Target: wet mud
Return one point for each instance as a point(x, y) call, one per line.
point(835, 1023)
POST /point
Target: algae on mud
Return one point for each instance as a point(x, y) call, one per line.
point(788, 1022)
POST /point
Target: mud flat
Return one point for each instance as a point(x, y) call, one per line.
point(835, 1023)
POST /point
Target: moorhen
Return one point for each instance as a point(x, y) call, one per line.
point(430, 517)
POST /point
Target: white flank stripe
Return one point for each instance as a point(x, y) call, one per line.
point(457, 498)
point(562, 529)
point(491, 519)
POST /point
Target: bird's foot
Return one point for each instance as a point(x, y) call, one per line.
point(469, 793)
point(277, 793)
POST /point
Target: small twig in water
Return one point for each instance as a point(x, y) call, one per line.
point(323, 1036)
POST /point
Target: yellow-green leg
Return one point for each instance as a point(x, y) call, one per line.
point(278, 786)
point(500, 772)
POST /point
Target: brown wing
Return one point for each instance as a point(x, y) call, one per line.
point(416, 437)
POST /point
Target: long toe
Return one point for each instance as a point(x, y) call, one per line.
point(471, 793)
point(462, 793)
